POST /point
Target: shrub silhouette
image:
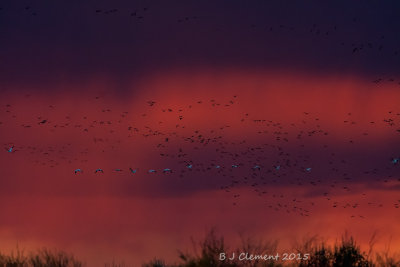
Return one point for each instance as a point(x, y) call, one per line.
point(211, 248)
point(42, 258)
point(206, 253)
point(321, 257)
point(349, 254)
point(46, 258)
point(343, 254)
point(155, 263)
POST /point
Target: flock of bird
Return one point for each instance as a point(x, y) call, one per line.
point(189, 166)
point(370, 47)
point(271, 154)
point(292, 154)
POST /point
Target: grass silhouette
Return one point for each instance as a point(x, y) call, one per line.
point(41, 258)
point(345, 253)
point(206, 253)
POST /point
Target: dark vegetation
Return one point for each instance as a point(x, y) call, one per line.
point(41, 258)
point(206, 253)
point(345, 253)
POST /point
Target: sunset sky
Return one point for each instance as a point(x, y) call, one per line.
point(308, 93)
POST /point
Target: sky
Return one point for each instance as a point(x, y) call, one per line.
point(276, 120)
